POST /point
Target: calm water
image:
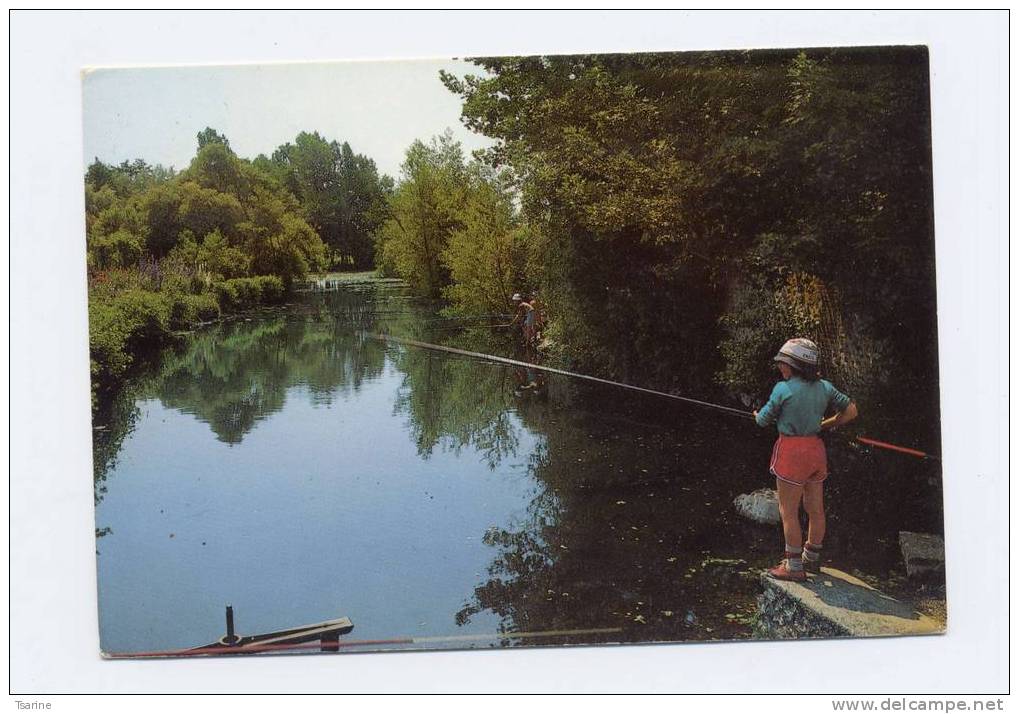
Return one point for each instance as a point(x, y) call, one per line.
point(295, 466)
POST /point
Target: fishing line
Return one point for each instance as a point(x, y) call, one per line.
point(689, 400)
point(554, 370)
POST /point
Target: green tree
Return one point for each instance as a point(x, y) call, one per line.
point(212, 255)
point(341, 194)
point(486, 255)
point(117, 232)
point(204, 210)
point(116, 249)
point(362, 197)
point(278, 240)
point(215, 166)
point(208, 135)
point(162, 214)
point(661, 187)
point(424, 213)
point(98, 174)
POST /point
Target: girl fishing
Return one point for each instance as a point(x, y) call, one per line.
point(799, 462)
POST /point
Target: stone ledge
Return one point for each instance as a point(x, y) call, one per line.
point(835, 604)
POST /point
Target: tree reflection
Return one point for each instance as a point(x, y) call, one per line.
point(617, 535)
point(630, 524)
point(457, 403)
point(114, 420)
point(576, 558)
point(232, 376)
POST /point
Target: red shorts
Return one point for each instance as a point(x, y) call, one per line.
point(799, 459)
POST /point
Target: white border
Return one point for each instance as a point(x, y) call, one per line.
point(54, 644)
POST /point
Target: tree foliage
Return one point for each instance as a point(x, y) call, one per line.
point(252, 223)
point(167, 249)
point(660, 186)
point(208, 135)
point(424, 212)
point(486, 254)
point(454, 229)
point(341, 194)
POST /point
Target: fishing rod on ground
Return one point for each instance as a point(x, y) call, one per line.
point(689, 400)
point(451, 318)
point(338, 645)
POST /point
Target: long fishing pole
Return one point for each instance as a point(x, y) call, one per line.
point(567, 373)
point(893, 447)
point(699, 402)
point(316, 645)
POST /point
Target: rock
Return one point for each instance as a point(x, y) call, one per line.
point(760, 506)
point(923, 552)
point(835, 604)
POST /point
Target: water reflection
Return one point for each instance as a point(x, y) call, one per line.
point(625, 528)
point(452, 404)
point(524, 502)
point(235, 375)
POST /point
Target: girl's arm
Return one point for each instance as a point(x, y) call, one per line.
point(843, 417)
point(770, 411)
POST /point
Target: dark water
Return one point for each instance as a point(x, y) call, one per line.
point(298, 468)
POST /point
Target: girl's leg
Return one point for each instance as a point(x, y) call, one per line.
point(789, 496)
point(813, 504)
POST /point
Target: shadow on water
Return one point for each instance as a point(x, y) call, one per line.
point(626, 520)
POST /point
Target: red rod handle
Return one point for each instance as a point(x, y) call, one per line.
point(892, 447)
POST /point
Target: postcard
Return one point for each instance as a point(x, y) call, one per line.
point(513, 351)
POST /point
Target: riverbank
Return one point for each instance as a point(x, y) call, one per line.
point(129, 318)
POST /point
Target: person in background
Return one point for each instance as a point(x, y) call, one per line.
point(530, 323)
point(799, 461)
point(523, 315)
point(539, 316)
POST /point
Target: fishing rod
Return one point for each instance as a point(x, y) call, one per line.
point(567, 373)
point(894, 447)
point(337, 645)
point(689, 400)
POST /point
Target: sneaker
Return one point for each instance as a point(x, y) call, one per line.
point(781, 572)
point(812, 566)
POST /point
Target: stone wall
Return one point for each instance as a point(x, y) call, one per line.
point(783, 617)
point(834, 604)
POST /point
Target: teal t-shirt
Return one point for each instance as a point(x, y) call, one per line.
point(798, 406)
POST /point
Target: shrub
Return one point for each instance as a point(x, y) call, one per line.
point(271, 288)
point(119, 326)
point(145, 314)
point(227, 294)
point(123, 323)
point(117, 249)
point(205, 306)
point(186, 310)
point(240, 293)
point(104, 285)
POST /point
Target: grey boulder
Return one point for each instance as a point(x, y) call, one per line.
point(760, 506)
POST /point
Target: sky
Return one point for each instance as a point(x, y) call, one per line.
point(155, 113)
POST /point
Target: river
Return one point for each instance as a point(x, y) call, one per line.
point(293, 465)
